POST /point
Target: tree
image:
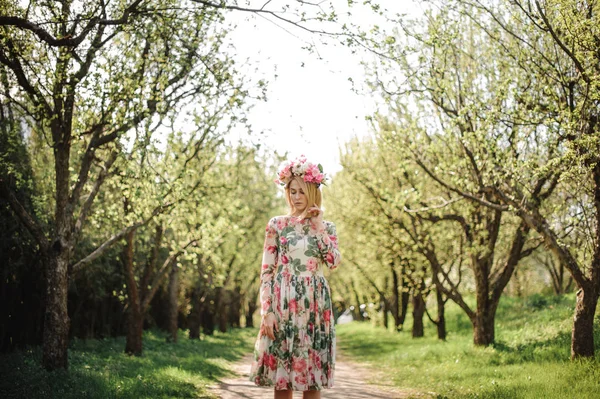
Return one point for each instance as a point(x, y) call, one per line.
point(84, 98)
point(380, 251)
point(513, 89)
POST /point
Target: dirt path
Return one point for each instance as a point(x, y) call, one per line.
point(349, 384)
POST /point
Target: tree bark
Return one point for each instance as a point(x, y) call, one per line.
point(221, 308)
point(173, 302)
point(484, 328)
point(395, 304)
point(418, 313)
point(235, 306)
point(195, 314)
point(384, 307)
point(207, 319)
point(441, 315)
point(133, 339)
point(404, 299)
point(56, 317)
point(135, 330)
point(252, 306)
point(358, 314)
point(582, 337)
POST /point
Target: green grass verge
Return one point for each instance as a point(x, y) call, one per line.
point(100, 368)
point(529, 360)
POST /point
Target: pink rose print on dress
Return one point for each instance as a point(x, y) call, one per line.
point(330, 258)
point(311, 264)
point(299, 364)
point(293, 306)
point(284, 259)
point(283, 240)
point(282, 383)
point(281, 223)
point(271, 362)
point(317, 360)
point(301, 379)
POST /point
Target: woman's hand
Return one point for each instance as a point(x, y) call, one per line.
point(316, 216)
point(268, 325)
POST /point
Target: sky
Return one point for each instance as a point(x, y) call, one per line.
point(311, 107)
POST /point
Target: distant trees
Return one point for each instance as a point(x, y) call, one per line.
point(497, 104)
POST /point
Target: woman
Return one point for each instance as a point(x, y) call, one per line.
point(295, 348)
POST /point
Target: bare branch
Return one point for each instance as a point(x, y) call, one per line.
point(108, 243)
point(67, 41)
point(87, 205)
point(465, 194)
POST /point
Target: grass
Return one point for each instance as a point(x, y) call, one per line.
point(100, 368)
point(530, 358)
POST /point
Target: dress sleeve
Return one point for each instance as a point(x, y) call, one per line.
point(328, 245)
point(269, 265)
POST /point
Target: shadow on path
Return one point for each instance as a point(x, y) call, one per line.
point(349, 384)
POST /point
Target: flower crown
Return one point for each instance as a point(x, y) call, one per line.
point(310, 172)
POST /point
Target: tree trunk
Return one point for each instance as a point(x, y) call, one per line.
point(384, 308)
point(483, 329)
point(358, 314)
point(193, 319)
point(404, 298)
point(133, 340)
point(395, 305)
point(56, 317)
point(173, 302)
point(252, 306)
point(418, 313)
point(441, 315)
point(135, 330)
point(235, 306)
point(582, 337)
point(221, 307)
point(207, 318)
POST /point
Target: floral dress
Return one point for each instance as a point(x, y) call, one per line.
point(302, 356)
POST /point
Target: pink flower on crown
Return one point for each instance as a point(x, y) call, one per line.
point(310, 172)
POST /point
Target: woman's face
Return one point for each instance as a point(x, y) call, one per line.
point(298, 196)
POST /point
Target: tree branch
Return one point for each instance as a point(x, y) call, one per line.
point(28, 221)
point(67, 41)
point(87, 205)
point(108, 243)
point(161, 274)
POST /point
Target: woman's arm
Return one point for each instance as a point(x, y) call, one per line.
point(328, 245)
point(269, 264)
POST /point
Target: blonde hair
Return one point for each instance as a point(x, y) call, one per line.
point(312, 192)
